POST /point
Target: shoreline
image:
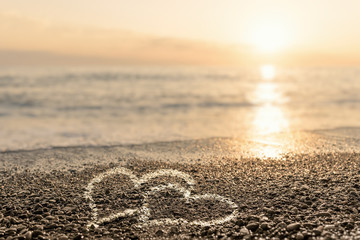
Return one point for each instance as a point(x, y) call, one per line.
point(335, 134)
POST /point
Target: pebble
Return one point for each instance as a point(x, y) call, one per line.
point(23, 231)
point(309, 225)
point(28, 235)
point(159, 233)
point(79, 237)
point(281, 225)
point(240, 222)
point(174, 230)
point(62, 237)
point(51, 226)
point(265, 226)
point(37, 233)
point(252, 226)
point(323, 214)
point(293, 227)
point(50, 218)
point(10, 231)
point(38, 227)
point(244, 231)
point(20, 227)
point(20, 237)
point(38, 217)
point(254, 218)
point(317, 231)
point(299, 236)
point(329, 227)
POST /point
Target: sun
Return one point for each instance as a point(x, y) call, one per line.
point(270, 37)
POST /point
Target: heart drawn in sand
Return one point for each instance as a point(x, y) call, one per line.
point(143, 212)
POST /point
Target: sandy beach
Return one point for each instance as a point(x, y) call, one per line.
point(177, 193)
point(180, 120)
point(176, 153)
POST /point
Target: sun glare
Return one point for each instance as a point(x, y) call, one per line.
point(270, 38)
point(267, 72)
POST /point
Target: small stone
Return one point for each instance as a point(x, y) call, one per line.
point(299, 236)
point(281, 225)
point(13, 220)
point(10, 231)
point(174, 230)
point(51, 226)
point(159, 232)
point(254, 218)
point(44, 221)
point(306, 234)
point(265, 226)
point(37, 233)
point(293, 227)
point(78, 237)
point(38, 227)
point(317, 231)
point(252, 226)
point(304, 187)
point(20, 227)
point(329, 227)
point(236, 236)
point(28, 235)
point(50, 218)
point(240, 222)
point(323, 214)
point(23, 231)
point(38, 217)
point(202, 234)
point(309, 225)
point(244, 231)
point(68, 209)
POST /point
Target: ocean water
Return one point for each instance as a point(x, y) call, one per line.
point(64, 106)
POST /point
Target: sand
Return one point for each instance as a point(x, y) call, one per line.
point(44, 194)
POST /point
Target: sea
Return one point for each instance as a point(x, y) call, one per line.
point(45, 107)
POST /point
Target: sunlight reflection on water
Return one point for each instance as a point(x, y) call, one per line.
point(269, 117)
point(268, 72)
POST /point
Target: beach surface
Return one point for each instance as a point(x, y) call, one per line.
point(209, 188)
point(179, 153)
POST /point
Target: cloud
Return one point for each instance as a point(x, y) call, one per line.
point(31, 58)
point(49, 42)
point(32, 41)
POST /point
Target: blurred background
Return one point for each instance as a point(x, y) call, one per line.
point(123, 72)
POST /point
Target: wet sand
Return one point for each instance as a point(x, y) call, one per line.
point(44, 193)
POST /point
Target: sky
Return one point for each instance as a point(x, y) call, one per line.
point(234, 32)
